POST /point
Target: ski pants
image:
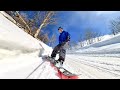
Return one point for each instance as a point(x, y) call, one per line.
point(61, 50)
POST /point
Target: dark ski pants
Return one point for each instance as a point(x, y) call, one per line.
point(61, 50)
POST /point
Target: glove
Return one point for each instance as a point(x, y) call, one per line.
point(68, 39)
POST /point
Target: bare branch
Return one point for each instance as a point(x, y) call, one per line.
point(47, 19)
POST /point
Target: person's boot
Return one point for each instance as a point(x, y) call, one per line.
point(59, 63)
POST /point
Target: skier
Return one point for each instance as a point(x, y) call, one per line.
point(64, 39)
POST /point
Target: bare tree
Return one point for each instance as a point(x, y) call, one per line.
point(96, 36)
point(115, 26)
point(81, 38)
point(22, 18)
point(47, 19)
point(89, 35)
point(44, 37)
point(33, 22)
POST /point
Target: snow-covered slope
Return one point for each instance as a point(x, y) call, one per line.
point(20, 53)
point(108, 41)
point(20, 67)
point(12, 37)
point(95, 40)
point(109, 45)
point(95, 67)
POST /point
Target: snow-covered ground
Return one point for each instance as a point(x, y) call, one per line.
point(90, 67)
point(20, 55)
point(109, 46)
point(98, 60)
point(21, 66)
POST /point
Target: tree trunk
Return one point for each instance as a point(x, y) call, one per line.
point(43, 23)
point(23, 20)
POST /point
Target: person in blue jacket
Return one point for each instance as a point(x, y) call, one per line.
point(64, 38)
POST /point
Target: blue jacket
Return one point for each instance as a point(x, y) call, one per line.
point(64, 37)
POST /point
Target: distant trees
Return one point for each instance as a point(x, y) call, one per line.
point(80, 40)
point(97, 36)
point(115, 26)
point(88, 37)
point(91, 36)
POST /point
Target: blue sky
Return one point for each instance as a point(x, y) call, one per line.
point(75, 22)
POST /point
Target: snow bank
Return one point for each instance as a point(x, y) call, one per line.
point(108, 45)
point(13, 38)
point(21, 66)
point(19, 53)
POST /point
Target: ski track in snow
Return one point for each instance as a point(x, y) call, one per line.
point(45, 71)
point(94, 68)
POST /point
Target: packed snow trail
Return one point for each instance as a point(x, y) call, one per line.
point(20, 67)
point(95, 67)
point(87, 67)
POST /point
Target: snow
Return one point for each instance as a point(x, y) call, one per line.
point(21, 66)
point(100, 60)
point(95, 67)
point(21, 54)
point(108, 45)
point(11, 37)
